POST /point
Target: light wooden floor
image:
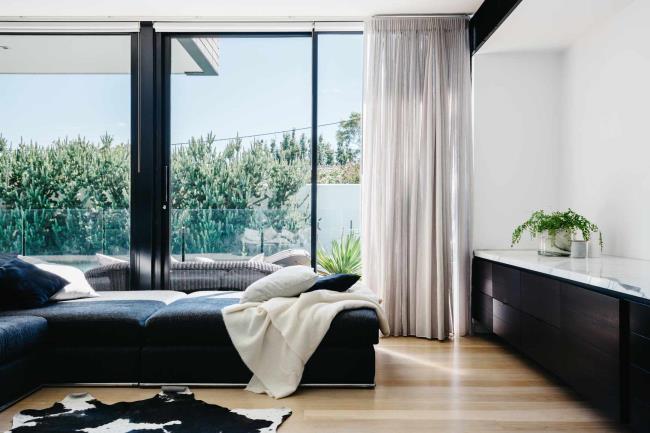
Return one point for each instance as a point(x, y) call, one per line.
point(473, 385)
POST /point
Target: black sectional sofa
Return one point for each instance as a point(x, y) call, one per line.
point(158, 337)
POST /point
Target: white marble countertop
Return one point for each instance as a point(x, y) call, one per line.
point(630, 277)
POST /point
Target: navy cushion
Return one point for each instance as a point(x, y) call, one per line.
point(99, 323)
point(335, 282)
point(20, 335)
point(199, 321)
point(23, 285)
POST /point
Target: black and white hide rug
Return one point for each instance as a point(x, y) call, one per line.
point(164, 413)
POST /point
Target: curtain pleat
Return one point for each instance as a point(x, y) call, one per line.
point(416, 170)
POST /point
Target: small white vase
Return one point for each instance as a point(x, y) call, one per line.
point(578, 249)
point(556, 244)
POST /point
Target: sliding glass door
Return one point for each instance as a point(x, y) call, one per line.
point(65, 146)
point(204, 141)
point(240, 146)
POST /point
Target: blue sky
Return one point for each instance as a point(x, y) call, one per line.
point(264, 85)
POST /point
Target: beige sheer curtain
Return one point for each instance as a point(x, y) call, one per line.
point(416, 172)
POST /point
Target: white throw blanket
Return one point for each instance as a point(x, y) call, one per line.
point(276, 338)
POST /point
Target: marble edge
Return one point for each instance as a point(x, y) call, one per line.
point(579, 277)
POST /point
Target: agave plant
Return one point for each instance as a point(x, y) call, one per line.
point(345, 257)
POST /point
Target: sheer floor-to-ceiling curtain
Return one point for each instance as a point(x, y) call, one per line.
point(416, 172)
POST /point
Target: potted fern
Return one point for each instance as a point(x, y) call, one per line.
point(557, 230)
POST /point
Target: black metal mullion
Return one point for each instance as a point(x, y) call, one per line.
point(135, 249)
point(144, 260)
point(164, 148)
point(314, 147)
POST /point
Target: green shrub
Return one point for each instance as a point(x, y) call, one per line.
point(72, 196)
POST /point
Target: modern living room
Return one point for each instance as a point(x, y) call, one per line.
point(324, 216)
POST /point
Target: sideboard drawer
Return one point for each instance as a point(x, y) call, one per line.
point(639, 385)
point(505, 285)
point(640, 351)
point(542, 343)
point(640, 319)
point(482, 276)
point(540, 297)
point(506, 322)
point(482, 309)
point(591, 317)
point(593, 374)
point(639, 417)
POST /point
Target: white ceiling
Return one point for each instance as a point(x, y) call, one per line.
point(203, 9)
point(549, 24)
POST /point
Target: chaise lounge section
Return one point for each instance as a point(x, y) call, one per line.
point(161, 337)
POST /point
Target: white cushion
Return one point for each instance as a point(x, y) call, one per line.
point(204, 260)
point(290, 257)
point(257, 258)
point(108, 260)
point(78, 286)
point(284, 283)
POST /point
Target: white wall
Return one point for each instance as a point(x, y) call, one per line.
point(606, 151)
point(569, 128)
point(517, 136)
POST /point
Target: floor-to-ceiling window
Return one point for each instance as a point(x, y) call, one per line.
point(65, 136)
point(340, 75)
point(240, 136)
point(237, 150)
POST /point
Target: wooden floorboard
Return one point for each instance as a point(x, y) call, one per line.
point(472, 385)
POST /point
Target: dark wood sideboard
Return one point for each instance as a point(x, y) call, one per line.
point(596, 342)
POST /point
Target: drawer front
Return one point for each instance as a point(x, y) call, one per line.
point(482, 309)
point(542, 342)
point(482, 276)
point(639, 417)
point(640, 351)
point(505, 285)
point(590, 317)
point(506, 323)
point(540, 297)
point(593, 374)
point(640, 385)
point(640, 319)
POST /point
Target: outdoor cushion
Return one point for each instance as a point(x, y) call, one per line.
point(99, 323)
point(199, 321)
point(20, 335)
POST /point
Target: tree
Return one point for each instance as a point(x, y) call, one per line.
point(348, 140)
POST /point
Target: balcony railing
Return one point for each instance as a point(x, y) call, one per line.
point(76, 235)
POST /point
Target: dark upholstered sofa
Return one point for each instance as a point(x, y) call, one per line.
point(159, 337)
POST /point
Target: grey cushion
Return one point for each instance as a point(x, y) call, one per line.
point(20, 335)
point(199, 321)
point(101, 323)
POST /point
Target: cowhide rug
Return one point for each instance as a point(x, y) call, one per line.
point(164, 413)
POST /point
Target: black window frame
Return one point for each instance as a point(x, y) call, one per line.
point(136, 255)
point(150, 232)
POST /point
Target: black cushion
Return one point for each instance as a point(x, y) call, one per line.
point(199, 321)
point(99, 323)
point(20, 335)
point(335, 282)
point(23, 285)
